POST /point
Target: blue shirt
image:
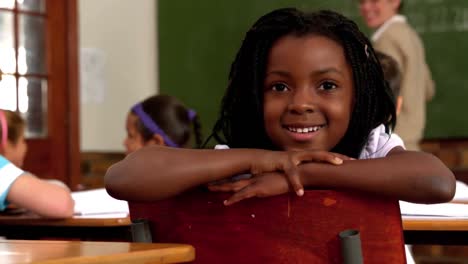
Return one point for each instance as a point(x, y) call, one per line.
point(8, 174)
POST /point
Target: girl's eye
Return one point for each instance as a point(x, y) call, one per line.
point(279, 87)
point(328, 86)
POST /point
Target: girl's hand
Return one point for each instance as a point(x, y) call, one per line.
point(267, 184)
point(287, 162)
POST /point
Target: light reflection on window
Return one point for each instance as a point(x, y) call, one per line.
point(8, 88)
point(8, 84)
point(22, 66)
point(8, 62)
point(10, 4)
point(23, 101)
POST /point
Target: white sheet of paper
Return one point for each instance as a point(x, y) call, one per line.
point(98, 202)
point(461, 193)
point(102, 216)
point(441, 209)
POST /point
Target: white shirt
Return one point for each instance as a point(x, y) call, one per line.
point(380, 143)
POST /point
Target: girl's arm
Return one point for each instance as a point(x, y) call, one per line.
point(39, 196)
point(405, 175)
point(157, 172)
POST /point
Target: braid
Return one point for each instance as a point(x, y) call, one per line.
point(241, 122)
point(373, 104)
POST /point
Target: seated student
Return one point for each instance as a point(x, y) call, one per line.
point(392, 75)
point(161, 120)
point(306, 105)
point(23, 189)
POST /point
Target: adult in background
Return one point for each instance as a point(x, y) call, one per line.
point(395, 37)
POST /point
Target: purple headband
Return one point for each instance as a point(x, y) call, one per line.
point(191, 114)
point(153, 127)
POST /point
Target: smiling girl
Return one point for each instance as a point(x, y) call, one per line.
point(306, 105)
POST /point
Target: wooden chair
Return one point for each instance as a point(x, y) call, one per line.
point(281, 229)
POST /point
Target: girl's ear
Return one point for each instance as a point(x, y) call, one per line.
point(156, 140)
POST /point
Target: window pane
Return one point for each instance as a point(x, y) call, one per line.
point(31, 50)
point(32, 103)
point(10, 4)
point(31, 5)
point(7, 46)
point(8, 93)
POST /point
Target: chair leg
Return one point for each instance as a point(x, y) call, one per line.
point(351, 248)
point(141, 231)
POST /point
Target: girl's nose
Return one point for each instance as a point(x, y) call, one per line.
point(302, 102)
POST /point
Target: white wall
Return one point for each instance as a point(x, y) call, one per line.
point(118, 42)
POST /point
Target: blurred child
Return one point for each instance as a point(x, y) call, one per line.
point(398, 39)
point(161, 120)
point(21, 188)
point(392, 75)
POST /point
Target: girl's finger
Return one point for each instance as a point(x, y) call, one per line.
point(230, 186)
point(245, 193)
point(343, 157)
point(219, 188)
point(323, 156)
point(293, 176)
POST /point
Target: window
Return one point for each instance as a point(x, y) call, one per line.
point(23, 62)
point(38, 50)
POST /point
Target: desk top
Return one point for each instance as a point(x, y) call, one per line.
point(30, 219)
point(434, 224)
point(70, 252)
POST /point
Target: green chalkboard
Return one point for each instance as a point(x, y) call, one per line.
point(198, 41)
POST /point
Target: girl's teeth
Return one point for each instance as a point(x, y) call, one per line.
point(305, 129)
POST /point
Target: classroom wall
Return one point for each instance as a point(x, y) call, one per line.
point(118, 57)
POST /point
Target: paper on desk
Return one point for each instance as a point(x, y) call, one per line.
point(98, 202)
point(461, 193)
point(441, 209)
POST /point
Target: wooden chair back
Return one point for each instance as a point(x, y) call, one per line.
point(281, 229)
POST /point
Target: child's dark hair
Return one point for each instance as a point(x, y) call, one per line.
point(241, 124)
point(172, 117)
point(391, 72)
point(15, 126)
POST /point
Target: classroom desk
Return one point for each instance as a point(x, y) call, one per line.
point(70, 252)
point(435, 230)
point(440, 231)
point(30, 226)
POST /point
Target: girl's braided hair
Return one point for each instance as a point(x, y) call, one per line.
point(240, 123)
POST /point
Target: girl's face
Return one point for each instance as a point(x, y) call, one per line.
point(308, 93)
point(376, 12)
point(134, 140)
point(15, 152)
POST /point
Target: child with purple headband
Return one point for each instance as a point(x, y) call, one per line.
point(161, 120)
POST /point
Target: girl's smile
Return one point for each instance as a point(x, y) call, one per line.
point(303, 132)
point(308, 93)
